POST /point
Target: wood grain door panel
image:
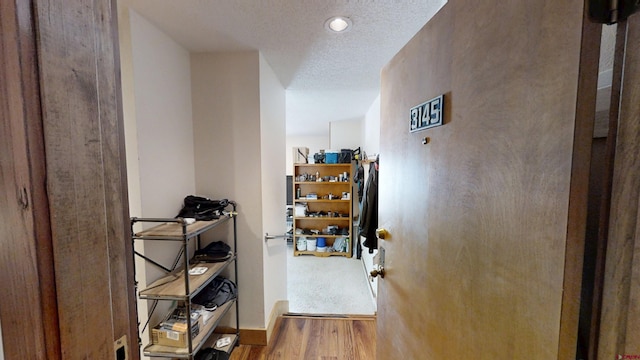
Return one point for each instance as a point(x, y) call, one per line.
point(66, 253)
point(480, 217)
point(28, 304)
point(86, 177)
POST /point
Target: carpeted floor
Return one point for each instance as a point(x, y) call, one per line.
point(327, 285)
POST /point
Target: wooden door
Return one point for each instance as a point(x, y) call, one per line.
point(66, 266)
point(618, 325)
point(28, 303)
point(486, 220)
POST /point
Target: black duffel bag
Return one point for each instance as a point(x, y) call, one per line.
point(345, 156)
point(201, 208)
point(218, 292)
point(217, 251)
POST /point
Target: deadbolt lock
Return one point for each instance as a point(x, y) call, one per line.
point(382, 233)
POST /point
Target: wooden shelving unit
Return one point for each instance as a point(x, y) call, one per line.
point(332, 207)
point(179, 285)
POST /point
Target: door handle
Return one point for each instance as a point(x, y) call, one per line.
point(270, 237)
point(378, 271)
point(382, 233)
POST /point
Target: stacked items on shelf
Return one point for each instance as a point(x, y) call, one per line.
point(172, 331)
point(322, 209)
point(188, 282)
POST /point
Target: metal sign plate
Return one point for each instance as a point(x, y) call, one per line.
point(426, 115)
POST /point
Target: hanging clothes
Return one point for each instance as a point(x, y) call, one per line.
point(359, 180)
point(369, 216)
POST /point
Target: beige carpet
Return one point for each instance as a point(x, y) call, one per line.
point(327, 285)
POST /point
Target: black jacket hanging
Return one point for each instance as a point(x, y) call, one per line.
point(369, 216)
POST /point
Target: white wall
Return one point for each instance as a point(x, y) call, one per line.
point(272, 141)
point(162, 82)
point(371, 129)
point(131, 145)
point(226, 118)
point(314, 142)
point(156, 84)
point(345, 134)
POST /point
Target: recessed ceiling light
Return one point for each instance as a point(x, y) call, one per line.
point(338, 24)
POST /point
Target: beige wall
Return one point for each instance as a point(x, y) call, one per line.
point(164, 119)
point(272, 143)
point(226, 113)
point(345, 134)
point(131, 146)
point(156, 90)
point(210, 144)
point(371, 129)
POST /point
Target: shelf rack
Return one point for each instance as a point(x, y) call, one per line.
point(179, 285)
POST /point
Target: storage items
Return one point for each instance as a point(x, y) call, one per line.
point(323, 209)
point(331, 157)
point(172, 331)
point(301, 245)
point(300, 155)
point(341, 244)
point(321, 242)
point(186, 280)
point(311, 244)
point(346, 156)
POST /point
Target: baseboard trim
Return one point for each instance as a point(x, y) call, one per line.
point(253, 337)
point(331, 316)
point(279, 308)
point(259, 337)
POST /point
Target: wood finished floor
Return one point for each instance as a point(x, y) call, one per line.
point(316, 338)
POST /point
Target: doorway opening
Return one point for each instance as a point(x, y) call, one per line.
point(332, 285)
point(595, 236)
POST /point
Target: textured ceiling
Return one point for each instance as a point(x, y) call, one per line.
point(328, 77)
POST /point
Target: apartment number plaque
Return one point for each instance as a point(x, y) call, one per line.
point(426, 115)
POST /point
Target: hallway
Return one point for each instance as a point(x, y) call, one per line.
point(327, 285)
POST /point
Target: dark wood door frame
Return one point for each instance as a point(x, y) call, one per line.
point(30, 306)
point(65, 246)
point(616, 316)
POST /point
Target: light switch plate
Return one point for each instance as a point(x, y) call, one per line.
point(121, 348)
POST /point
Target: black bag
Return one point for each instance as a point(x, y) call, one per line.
point(211, 354)
point(217, 251)
point(345, 156)
point(218, 292)
point(201, 208)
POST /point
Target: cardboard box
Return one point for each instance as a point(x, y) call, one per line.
point(173, 330)
point(300, 155)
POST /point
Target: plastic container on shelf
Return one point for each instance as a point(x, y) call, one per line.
point(311, 244)
point(331, 157)
point(301, 244)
